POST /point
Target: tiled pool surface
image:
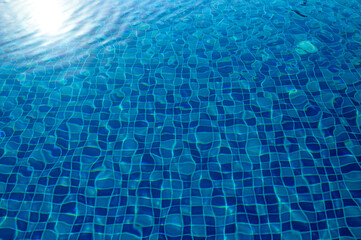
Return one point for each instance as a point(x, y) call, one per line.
point(187, 120)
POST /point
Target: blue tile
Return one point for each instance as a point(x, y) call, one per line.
point(207, 110)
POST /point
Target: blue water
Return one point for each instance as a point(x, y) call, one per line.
point(180, 119)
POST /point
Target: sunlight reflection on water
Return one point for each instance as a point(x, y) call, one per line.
point(49, 16)
point(43, 30)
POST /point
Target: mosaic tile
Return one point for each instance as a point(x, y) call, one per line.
point(182, 120)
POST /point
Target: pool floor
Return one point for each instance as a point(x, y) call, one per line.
point(183, 120)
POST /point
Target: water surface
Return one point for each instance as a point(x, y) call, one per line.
point(180, 119)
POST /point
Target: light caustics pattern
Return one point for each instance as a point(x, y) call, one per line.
point(233, 119)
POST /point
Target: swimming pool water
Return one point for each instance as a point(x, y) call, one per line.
point(180, 119)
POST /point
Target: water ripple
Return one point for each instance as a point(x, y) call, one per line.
point(45, 30)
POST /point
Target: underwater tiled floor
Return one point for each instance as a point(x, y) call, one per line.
point(228, 120)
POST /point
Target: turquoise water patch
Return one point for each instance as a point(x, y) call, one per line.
point(305, 47)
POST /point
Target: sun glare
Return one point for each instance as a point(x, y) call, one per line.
point(48, 16)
